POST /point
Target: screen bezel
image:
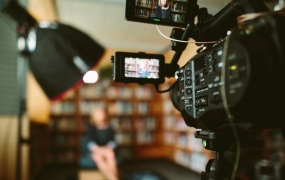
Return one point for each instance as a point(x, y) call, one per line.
point(120, 61)
point(130, 14)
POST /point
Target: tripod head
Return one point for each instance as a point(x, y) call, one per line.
point(220, 141)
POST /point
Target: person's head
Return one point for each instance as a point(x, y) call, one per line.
point(163, 3)
point(98, 117)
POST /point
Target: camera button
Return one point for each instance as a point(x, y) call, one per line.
point(188, 82)
point(188, 72)
point(188, 91)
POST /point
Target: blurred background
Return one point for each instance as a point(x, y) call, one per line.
point(150, 132)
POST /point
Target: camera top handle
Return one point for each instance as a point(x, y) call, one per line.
point(210, 28)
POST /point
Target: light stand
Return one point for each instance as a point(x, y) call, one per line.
point(21, 80)
point(58, 55)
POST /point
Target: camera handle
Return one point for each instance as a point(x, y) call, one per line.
point(191, 31)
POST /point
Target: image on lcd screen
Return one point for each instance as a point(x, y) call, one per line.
point(161, 10)
point(141, 68)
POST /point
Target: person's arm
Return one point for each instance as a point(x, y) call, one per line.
point(91, 145)
point(112, 144)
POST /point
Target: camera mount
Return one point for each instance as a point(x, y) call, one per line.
point(220, 141)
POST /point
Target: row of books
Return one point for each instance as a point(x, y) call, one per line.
point(145, 137)
point(140, 74)
point(62, 124)
point(124, 138)
point(178, 17)
point(114, 108)
point(127, 138)
point(63, 107)
point(146, 123)
point(92, 91)
point(143, 12)
point(128, 108)
point(179, 7)
point(61, 157)
point(169, 138)
point(194, 160)
point(63, 141)
point(130, 67)
point(122, 123)
point(115, 92)
point(145, 3)
point(177, 123)
point(139, 92)
point(86, 107)
point(126, 123)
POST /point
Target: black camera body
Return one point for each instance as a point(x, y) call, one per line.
point(252, 59)
point(254, 79)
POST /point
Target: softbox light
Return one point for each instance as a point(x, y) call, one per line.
point(59, 55)
point(62, 56)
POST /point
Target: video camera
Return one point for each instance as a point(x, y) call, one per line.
point(240, 77)
point(253, 59)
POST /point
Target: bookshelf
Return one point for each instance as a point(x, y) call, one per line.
point(134, 112)
point(63, 132)
point(146, 9)
point(179, 139)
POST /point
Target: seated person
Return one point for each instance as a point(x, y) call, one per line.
point(100, 142)
point(163, 11)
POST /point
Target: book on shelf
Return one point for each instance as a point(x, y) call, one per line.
point(145, 3)
point(198, 161)
point(169, 138)
point(169, 122)
point(121, 108)
point(124, 138)
point(178, 17)
point(145, 137)
point(62, 124)
point(146, 123)
point(119, 92)
point(182, 140)
point(86, 107)
point(180, 124)
point(143, 108)
point(62, 107)
point(181, 157)
point(179, 7)
point(144, 93)
point(121, 123)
